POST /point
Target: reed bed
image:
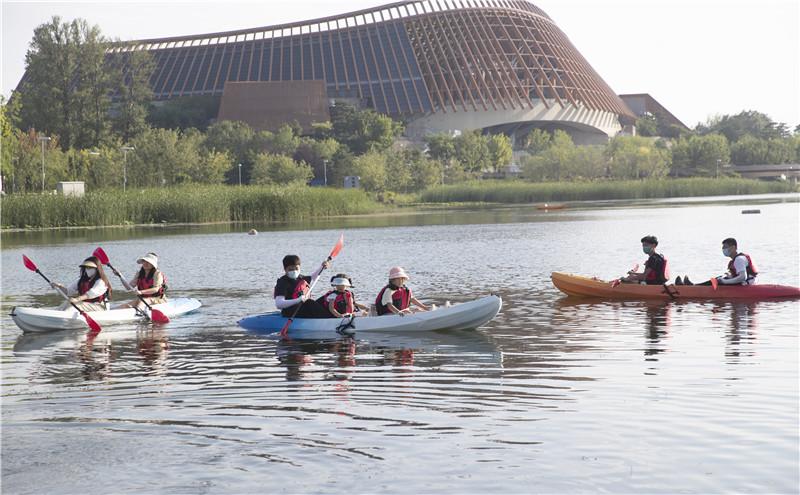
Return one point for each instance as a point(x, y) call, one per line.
point(530, 192)
point(188, 204)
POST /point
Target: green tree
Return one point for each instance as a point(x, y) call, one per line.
point(635, 157)
point(553, 163)
point(372, 169)
point(500, 152)
point(441, 147)
point(184, 112)
point(282, 142)
point(700, 155)
point(318, 152)
point(26, 163)
point(238, 140)
point(747, 122)
point(66, 91)
point(279, 169)
point(472, 151)
point(133, 93)
point(537, 141)
point(588, 162)
point(9, 144)
point(647, 125)
point(363, 130)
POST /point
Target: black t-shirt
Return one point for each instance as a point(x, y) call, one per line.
point(285, 287)
point(656, 263)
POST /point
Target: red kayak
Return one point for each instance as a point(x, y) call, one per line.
point(575, 285)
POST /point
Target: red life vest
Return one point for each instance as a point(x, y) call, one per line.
point(752, 271)
point(343, 304)
point(401, 299)
point(147, 282)
point(85, 286)
point(656, 278)
point(299, 288)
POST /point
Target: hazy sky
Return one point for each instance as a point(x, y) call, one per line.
point(697, 57)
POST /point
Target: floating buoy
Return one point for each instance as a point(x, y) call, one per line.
point(751, 212)
point(252, 232)
point(548, 206)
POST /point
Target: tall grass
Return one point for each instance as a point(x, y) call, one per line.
point(189, 204)
point(528, 192)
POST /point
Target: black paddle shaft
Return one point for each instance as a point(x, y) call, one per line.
point(137, 295)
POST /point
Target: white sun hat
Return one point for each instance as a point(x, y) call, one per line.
point(151, 258)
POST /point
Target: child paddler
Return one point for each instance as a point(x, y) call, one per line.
point(149, 282)
point(291, 291)
point(341, 301)
point(91, 291)
point(396, 298)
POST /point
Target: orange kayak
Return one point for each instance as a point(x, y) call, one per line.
point(575, 285)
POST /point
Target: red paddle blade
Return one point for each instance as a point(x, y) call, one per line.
point(636, 267)
point(101, 255)
point(714, 283)
point(92, 324)
point(158, 317)
point(285, 329)
point(338, 247)
point(30, 265)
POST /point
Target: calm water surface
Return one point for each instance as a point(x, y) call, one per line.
point(555, 395)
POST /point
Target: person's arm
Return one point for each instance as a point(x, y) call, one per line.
point(419, 304)
point(98, 289)
point(740, 263)
point(332, 308)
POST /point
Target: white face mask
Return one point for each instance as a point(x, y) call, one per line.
point(91, 272)
point(293, 274)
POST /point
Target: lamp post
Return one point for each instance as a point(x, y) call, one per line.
point(125, 150)
point(43, 139)
point(240, 174)
point(716, 175)
point(325, 171)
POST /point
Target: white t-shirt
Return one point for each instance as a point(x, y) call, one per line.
point(387, 296)
point(98, 289)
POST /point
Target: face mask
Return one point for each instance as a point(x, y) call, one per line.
point(293, 274)
point(647, 249)
point(91, 272)
point(726, 252)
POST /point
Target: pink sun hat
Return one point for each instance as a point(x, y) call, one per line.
point(397, 272)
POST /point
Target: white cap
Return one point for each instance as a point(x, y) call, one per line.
point(340, 281)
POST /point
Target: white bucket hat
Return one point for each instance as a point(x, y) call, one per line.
point(151, 258)
point(397, 272)
point(340, 281)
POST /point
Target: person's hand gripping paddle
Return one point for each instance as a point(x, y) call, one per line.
point(155, 315)
point(334, 253)
point(30, 265)
point(618, 281)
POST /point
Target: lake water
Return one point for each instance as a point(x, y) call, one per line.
point(555, 395)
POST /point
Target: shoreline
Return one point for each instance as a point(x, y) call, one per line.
point(428, 208)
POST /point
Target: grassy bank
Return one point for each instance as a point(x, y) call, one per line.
point(539, 192)
point(190, 204)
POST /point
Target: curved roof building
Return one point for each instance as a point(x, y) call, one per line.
point(439, 65)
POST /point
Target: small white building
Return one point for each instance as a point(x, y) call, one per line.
point(76, 188)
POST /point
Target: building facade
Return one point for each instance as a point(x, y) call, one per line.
point(438, 65)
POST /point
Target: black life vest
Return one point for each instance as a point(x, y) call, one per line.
point(401, 299)
point(343, 304)
point(148, 281)
point(751, 268)
point(85, 286)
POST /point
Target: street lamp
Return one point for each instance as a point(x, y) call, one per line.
point(325, 171)
point(125, 150)
point(240, 174)
point(716, 175)
point(43, 139)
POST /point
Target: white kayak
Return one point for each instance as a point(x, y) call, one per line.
point(464, 316)
point(37, 320)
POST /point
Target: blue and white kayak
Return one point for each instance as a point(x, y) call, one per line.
point(38, 320)
point(464, 316)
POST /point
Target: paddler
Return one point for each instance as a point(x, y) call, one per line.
point(291, 291)
point(341, 301)
point(91, 291)
point(741, 270)
point(396, 298)
point(149, 282)
point(655, 268)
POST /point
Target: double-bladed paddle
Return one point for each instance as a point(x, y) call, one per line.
point(156, 315)
point(30, 265)
point(334, 252)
